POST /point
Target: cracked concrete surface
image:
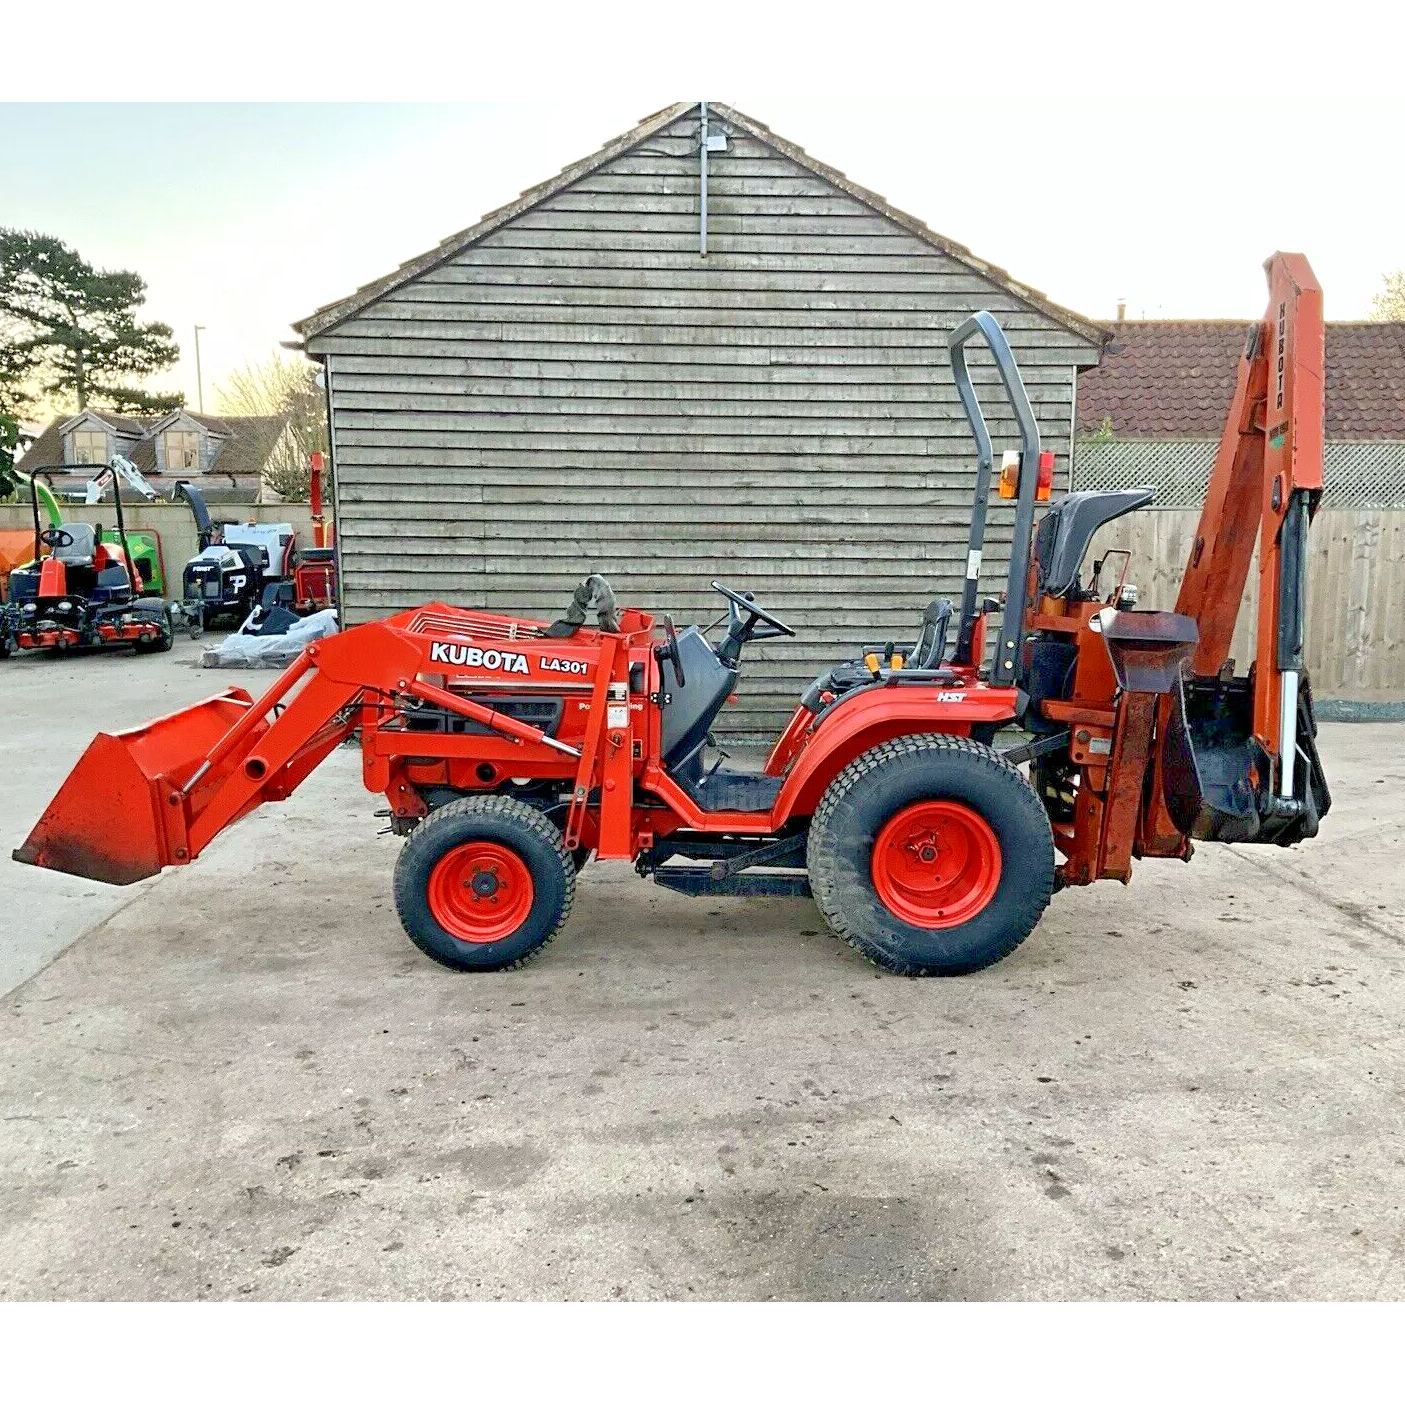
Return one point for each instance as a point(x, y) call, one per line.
point(246, 1083)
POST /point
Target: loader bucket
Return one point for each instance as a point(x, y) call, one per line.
point(112, 819)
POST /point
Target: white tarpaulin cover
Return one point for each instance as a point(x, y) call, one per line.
point(241, 650)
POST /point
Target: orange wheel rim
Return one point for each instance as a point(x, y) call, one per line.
point(936, 864)
point(480, 892)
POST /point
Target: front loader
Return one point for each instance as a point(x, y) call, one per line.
point(510, 750)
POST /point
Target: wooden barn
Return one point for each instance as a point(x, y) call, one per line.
point(695, 354)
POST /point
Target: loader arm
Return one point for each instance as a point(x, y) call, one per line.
point(141, 800)
point(1265, 486)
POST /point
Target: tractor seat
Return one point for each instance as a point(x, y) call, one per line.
point(82, 549)
point(927, 652)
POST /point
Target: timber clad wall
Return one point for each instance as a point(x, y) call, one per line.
point(578, 390)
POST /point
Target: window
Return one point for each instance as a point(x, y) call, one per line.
point(182, 448)
point(89, 446)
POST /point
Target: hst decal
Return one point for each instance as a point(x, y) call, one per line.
point(467, 656)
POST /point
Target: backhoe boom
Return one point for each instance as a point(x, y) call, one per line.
point(1265, 486)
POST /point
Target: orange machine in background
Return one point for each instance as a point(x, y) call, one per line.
point(315, 575)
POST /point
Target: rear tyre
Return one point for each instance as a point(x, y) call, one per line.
point(931, 856)
point(154, 615)
point(160, 645)
point(484, 883)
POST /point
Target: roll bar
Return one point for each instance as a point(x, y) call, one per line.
point(1012, 620)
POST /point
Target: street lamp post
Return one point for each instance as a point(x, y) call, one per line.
point(199, 379)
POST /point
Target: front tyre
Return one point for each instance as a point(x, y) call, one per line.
point(931, 856)
point(484, 883)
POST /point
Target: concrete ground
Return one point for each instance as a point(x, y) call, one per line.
point(244, 1082)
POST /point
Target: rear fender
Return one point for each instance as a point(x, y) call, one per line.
point(878, 714)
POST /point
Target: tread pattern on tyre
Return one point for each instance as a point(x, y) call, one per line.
point(828, 883)
point(504, 808)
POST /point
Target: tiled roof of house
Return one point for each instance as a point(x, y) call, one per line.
point(47, 450)
point(1174, 380)
point(245, 444)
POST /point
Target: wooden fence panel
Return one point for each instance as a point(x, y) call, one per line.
point(1356, 592)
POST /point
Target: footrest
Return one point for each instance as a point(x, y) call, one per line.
point(736, 790)
point(697, 880)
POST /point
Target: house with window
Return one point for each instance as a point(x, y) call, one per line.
point(228, 456)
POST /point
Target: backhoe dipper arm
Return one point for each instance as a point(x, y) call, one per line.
point(1265, 485)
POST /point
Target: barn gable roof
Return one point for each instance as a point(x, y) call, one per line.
point(333, 314)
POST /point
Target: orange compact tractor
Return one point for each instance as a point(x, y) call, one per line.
point(510, 750)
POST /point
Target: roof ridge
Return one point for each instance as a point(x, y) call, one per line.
point(330, 314)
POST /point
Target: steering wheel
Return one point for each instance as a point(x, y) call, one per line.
point(746, 620)
point(55, 538)
point(737, 603)
point(669, 650)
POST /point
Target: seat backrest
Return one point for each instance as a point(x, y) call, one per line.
point(1063, 536)
point(82, 549)
point(931, 642)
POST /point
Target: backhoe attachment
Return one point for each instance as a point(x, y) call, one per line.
point(1240, 762)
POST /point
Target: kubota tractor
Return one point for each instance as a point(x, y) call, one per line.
point(510, 749)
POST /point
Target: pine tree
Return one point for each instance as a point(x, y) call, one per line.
point(68, 331)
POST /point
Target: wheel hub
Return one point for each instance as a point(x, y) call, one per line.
point(936, 863)
point(480, 891)
point(484, 883)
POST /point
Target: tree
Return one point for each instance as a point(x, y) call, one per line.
point(68, 331)
point(9, 442)
point(286, 389)
point(1389, 306)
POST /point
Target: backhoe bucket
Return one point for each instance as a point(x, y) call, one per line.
point(113, 819)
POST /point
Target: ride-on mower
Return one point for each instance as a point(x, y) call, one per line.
point(86, 592)
point(510, 749)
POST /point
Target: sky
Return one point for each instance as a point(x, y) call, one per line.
point(246, 217)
